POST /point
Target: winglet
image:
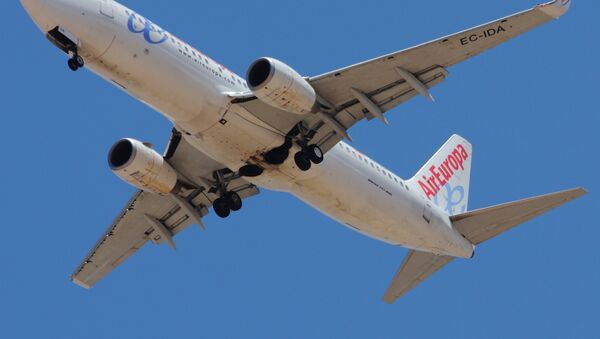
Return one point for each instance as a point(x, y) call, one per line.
point(556, 8)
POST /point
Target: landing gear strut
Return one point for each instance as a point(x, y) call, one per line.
point(76, 62)
point(309, 154)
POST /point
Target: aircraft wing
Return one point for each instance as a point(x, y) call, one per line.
point(417, 266)
point(149, 217)
point(371, 88)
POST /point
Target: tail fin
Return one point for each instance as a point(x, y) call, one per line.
point(444, 180)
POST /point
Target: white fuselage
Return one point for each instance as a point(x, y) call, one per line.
point(193, 92)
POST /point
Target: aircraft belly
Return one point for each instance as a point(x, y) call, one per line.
point(341, 192)
point(346, 195)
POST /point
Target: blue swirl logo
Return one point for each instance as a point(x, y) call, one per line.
point(453, 197)
point(152, 33)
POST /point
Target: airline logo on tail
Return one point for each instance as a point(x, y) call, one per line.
point(444, 179)
point(441, 175)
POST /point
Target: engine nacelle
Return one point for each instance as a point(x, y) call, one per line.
point(278, 85)
point(142, 167)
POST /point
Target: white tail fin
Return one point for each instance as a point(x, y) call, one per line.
point(444, 180)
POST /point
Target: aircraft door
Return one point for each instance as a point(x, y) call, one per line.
point(106, 8)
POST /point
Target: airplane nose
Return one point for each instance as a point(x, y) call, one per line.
point(32, 6)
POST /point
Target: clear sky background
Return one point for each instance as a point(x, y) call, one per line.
point(279, 269)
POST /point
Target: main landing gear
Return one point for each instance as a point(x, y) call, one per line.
point(308, 155)
point(224, 205)
point(230, 201)
point(311, 154)
point(76, 62)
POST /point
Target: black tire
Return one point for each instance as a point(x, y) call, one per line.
point(234, 201)
point(73, 65)
point(221, 208)
point(315, 154)
point(277, 156)
point(251, 171)
point(302, 162)
point(79, 61)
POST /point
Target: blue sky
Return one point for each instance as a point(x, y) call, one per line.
point(279, 269)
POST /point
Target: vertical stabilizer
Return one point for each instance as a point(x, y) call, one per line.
point(444, 180)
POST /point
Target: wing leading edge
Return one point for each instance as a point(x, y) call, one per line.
point(371, 88)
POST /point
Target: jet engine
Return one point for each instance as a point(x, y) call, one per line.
point(142, 167)
point(278, 85)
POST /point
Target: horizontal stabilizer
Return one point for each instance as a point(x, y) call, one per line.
point(477, 226)
point(417, 266)
point(481, 225)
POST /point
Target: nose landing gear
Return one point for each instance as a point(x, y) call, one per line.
point(76, 62)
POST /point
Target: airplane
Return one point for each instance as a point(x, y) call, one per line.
point(278, 130)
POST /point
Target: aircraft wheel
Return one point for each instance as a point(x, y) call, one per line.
point(73, 65)
point(79, 61)
point(251, 171)
point(221, 208)
point(315, 154)
point(277, 156)
point(302, 161)
point(234, 201)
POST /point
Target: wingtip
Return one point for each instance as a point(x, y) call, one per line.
point(80, 283)
point(556, 8)
point(389, 299)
